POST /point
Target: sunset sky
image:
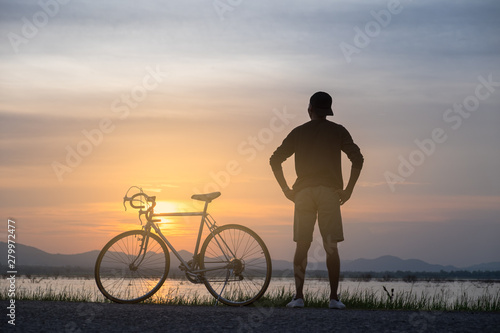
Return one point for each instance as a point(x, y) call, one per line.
point(183, 97)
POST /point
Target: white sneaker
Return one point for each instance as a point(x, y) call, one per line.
point(296, 303)
point(334, 304)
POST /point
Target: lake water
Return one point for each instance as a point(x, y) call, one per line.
point(182, 288)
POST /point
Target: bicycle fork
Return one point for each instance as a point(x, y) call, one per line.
point(142, 252)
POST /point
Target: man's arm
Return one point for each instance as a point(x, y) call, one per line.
point(353, 178)
point(279, 156)
point(280, 177)
point(354, 154)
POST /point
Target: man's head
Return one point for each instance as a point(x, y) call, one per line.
point(321, 104)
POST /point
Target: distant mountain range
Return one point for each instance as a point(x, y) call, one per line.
point(31, 256)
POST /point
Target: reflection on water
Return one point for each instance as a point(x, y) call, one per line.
point(181, 288)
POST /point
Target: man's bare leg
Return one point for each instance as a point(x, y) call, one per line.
point(333, 265)
point(299, 267)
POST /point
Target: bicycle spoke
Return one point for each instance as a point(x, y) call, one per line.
point(248, 263)
point(124, 273)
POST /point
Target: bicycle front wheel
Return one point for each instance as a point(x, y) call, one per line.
point(132, 266)
point(237, 265)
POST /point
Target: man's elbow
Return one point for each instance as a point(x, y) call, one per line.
point(274, 162)
point(358, 163)
point(275, 166)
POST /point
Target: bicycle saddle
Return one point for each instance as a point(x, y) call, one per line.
point(208, 197)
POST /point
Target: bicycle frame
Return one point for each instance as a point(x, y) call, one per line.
point(206, 219)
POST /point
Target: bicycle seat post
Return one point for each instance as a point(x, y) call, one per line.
point(206, 207)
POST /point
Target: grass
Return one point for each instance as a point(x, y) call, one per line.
point(41, 294)
point(441, 300)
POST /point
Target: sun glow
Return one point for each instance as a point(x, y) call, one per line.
point(167, 207)
point(178, 226)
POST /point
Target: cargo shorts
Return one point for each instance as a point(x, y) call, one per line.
point(319, 202)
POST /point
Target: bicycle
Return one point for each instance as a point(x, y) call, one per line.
point(233, 262)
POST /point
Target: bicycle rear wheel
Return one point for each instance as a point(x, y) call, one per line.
point(238, 265)
point(126, 274)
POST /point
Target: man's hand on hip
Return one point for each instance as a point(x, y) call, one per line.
point(344, 195)
point(289, 194)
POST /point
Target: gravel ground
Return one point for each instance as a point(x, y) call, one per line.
point(39, 316)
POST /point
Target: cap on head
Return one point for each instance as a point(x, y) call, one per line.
point(321, 104)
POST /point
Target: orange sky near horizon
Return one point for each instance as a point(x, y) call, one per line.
point(84, 210)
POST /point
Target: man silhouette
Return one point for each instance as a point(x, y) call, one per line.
point(318, 191)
